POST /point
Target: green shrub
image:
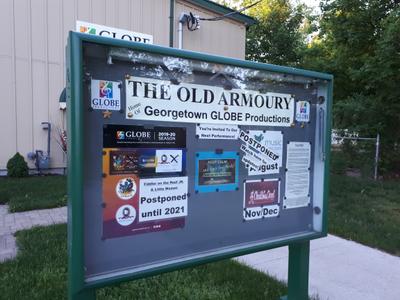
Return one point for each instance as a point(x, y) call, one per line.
point(17, 166)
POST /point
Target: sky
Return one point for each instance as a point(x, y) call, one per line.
point(313, 3)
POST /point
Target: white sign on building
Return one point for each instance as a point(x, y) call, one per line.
point(116, 33)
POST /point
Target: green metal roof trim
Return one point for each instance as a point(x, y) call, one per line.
point(218, 8)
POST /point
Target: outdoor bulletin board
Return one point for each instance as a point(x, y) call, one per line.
point(178, 158)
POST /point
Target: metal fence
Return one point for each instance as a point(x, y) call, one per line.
point(341, 138)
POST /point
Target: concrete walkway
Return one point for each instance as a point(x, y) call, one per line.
point(339, 269)
point(12, 222)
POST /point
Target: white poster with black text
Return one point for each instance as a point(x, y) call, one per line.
point(273, 140)
point(217, 132)
point(163, 198)
point(297, 175)
point(159, 100)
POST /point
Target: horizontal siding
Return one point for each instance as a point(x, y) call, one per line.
point(32, 57)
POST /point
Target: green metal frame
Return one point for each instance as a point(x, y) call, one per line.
point(76, 278)
point(77, 287)
point(171, 22)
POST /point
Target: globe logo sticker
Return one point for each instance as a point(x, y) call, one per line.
point(303, 109)
point(105, 89)
point(125, 215)
point(120, 135)
point(86, 29)
point(126, 188)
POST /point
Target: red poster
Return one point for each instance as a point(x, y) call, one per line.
point(261, 199)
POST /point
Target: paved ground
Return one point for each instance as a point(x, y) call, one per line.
point(10, 223)
point(339, 269)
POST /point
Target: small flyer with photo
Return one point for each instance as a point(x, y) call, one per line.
point(261, 199)
point(143, 161)
point(216, 172)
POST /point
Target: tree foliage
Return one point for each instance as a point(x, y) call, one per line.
point(278, 36)
point(358, 41)
point(350, 30)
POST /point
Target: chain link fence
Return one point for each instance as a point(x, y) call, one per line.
point(355, 156)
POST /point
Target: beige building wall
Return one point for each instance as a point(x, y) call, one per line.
point(32, 57)
point(226, 37)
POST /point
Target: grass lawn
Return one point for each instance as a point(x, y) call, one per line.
point(366, 211)
point(40, 270)
point(35, 192)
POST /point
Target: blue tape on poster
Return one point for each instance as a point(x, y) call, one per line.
point(216, 172)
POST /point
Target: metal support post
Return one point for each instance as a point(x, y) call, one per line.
point(299, 255)
point(376, 156)
point(87, 294)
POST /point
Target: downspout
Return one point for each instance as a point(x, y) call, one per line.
point(182, 21)
point(171, 22)
point(180, 31)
